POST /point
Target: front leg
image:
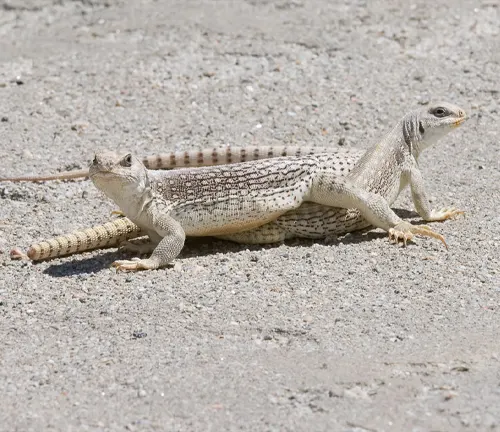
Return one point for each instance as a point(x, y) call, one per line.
point(422, 203)
point(332, 191)
point(168, 247)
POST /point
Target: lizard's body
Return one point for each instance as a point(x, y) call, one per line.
point(385, 169)
point(120, 230)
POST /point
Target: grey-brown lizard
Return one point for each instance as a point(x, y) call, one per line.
point(235, 201)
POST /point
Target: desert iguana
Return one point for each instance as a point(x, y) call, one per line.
point(117, 231)
point(210, 208)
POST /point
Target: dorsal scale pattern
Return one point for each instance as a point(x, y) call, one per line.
point(251, 194)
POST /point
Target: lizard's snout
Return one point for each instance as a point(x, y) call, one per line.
point(462, 117)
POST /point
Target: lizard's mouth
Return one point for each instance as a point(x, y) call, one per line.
point(458, 122)
point(100, 173)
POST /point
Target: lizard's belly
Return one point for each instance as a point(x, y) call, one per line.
point(231, 216)
point(213, 228)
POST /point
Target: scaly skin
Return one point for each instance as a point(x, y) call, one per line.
point(110, 234)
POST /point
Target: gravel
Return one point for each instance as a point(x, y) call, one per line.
point(350, 335)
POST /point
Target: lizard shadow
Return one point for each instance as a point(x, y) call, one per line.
point(198, 247)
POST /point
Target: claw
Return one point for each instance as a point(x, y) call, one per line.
point(445, 213)
point(426, 231)
point(137, 247)
point(405, 231)
point(117, 213)
point(124, 265)
point(134, 264)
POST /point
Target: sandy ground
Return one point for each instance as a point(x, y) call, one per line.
point(358, 335)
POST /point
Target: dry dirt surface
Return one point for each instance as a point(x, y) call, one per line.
point(354, 335)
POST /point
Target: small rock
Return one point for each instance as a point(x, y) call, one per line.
point(139, 334)
point(27, 154)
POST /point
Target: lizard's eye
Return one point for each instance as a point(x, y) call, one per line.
point(440, 112)
point(126, 161)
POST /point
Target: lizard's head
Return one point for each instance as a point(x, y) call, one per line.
point(113, 173)
point(433, 122)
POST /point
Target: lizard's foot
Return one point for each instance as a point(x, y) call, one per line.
point(135, 264)
point(18, 254)
point(117, 213)
point(405, 231)
point(443, 214)
point(137, 247)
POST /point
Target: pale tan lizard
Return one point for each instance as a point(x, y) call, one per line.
point(118, 231)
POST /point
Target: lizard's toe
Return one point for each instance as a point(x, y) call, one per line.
point(124, 265)
point(401, 232)
point(117, 213)
point(445, 213)
point(135, 264)
point(424, 230)
point(405, 231)
point(18, 254)
point(137, 247)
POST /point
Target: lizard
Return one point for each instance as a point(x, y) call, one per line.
point(234, 202)
point(119, 231)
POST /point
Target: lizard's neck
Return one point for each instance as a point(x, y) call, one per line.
point(130, 197)
point(381, 168)
point(412, 136)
